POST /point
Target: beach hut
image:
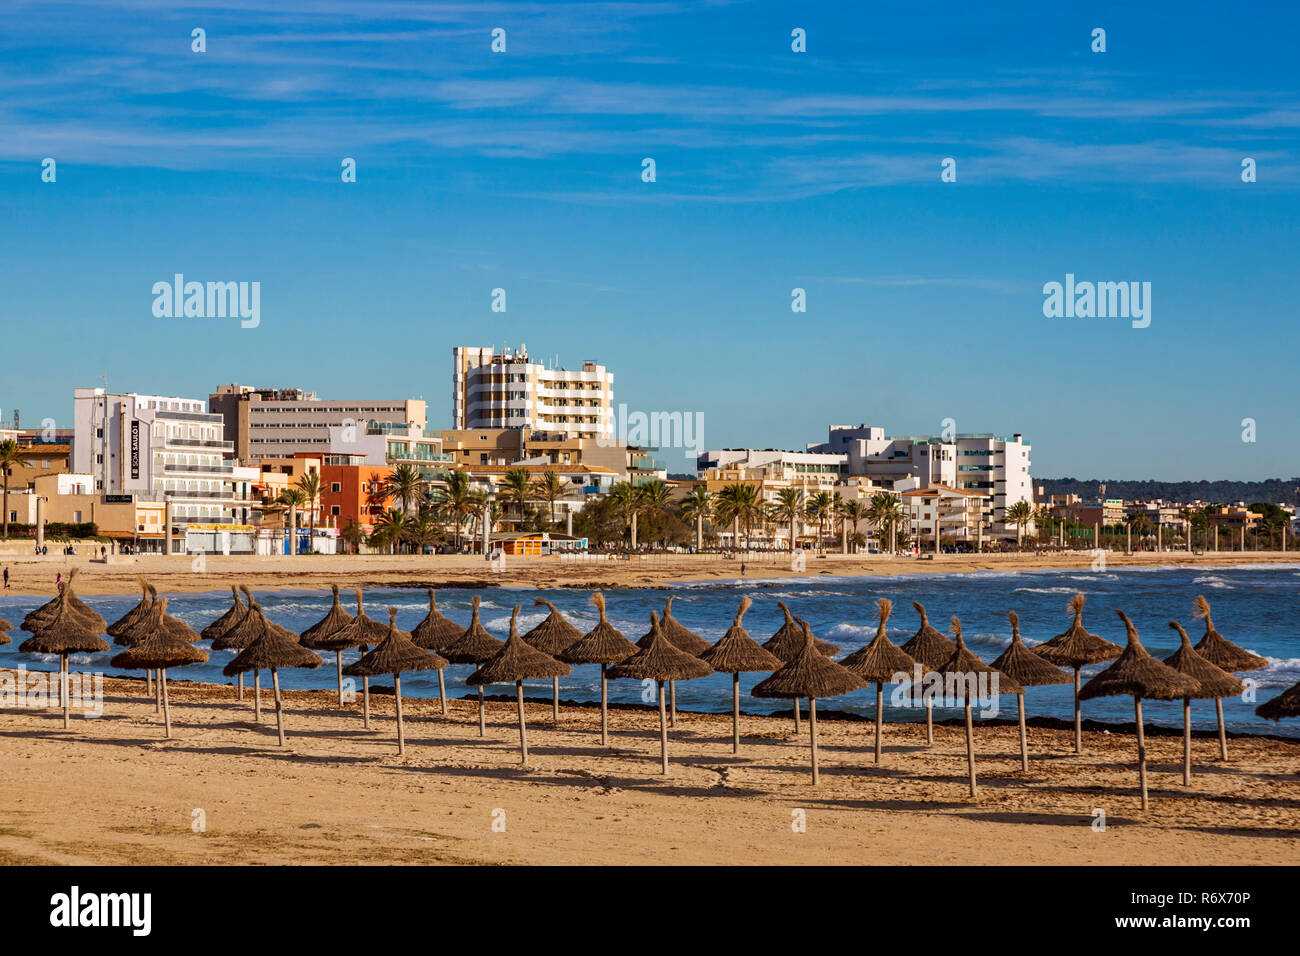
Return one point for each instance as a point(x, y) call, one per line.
point(1226, 656)
point(881, 662)
point(160, 651)
point(317, 637)
point(271, 650)
point(1135, 672)
point(929, 648)
point(604, 644)
point(1076, 648)
point(1285, 704)
point(474, 646)
point(1028, 670)
point(552, 636)
point(788, 642)
point(360, 632)
point(66, 633)
point(135, 614)
point(517, 661)
point(735, 652)
point(809, 674)
point(660, 661)
point(1213, 683)
point(395, 654)
point(961, 673)
point(433, 633)
point(683, 639)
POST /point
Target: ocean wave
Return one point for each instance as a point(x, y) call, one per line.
point(1057, 590)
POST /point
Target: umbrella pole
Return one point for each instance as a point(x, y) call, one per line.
point(401, 733)
point(148, 681)
point(257, 695)
point(365, 702)
point(929, 721)
point(523, 730)
point(663, 729)
point(157, 696)
point(167, 704)
point(970, 747)
point(880, 715)
point(1187, 740)
point(555, 699)
point(1024, 741)
point(338, 669)
point(482, 719)
point(604, 708)
point(1223, 734)
point(63, 690)
point(1142, 750)
point(672, 703)
point(798, 727)
point(442, 691)
point(279, 709)
point(812, 734)
point(735, 712)
point(241, 685)
point(1078, 717)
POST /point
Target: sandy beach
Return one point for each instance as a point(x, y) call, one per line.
point(179, 574)
point(113, 791)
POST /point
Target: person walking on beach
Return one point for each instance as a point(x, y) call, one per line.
point(58, 578)
point(6, 579)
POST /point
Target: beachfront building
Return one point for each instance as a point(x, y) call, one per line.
point(279, 422)
point(507, 389)
point(937, 512)
point(163, 448)
point(380, 444)
point(810, 470)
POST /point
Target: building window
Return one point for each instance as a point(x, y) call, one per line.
point(335, 487)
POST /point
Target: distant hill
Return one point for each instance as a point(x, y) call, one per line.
point(1274, 490)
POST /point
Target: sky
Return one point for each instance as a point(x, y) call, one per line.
point(774, 170)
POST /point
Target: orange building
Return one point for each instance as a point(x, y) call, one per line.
point(345, 490)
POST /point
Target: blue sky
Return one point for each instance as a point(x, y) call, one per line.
point(775, 170)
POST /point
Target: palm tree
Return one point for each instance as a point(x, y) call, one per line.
point(392, 528)
point(406, 484)
point(628, 501)
point(788, 507)
point(1020, 514)
point(425, 530)
point(354, 535)
point(855, 512)
point(517, 487)
point(819, 508)
point(697, 506)
point(739, 502)
point(10, 458)
point(455, 500)
point(550, 487)
point(887, 513)
point(309, 485)
point(293, 499)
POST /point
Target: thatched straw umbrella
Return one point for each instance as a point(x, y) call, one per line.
point(174, 625)
point(518, 661)
point(736, 651)
point(552, 636)
point(238, 636)
point(226, 621)
point(880, 662)
point(660, 661)
point(34, 620)
point(1285, 704)
point(136, 614)
point(65, 634)
point(1226, 656)
point(271, 650)
point(361, 632)
point(1076, 648)
point(5, 626)
point(160, 650)
point(683, 639)
point(930, 649)
point(396, 653)
point(1213, 683)
point(788, 642)
point(959, 672)
point(474, 646)
point(809, 674)
point(1028, 670)
point(604, 644)
point(1137, 673)
point(433, 634)
point(317, 636)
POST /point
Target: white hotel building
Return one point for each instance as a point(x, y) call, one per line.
point(506, 390)
point(160, 448)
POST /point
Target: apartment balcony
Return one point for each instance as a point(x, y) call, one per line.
point(200, 469)
point(205, 417)
point(174, 493)
point(213, 444)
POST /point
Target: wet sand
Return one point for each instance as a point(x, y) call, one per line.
point(112, 790)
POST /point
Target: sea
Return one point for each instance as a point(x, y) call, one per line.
point(1257, 607)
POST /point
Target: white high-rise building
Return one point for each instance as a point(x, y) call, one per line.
point(493, 389)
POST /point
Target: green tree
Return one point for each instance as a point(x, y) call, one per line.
point(550, 487)
point(789, 507)
point(855, 512)
point(309, 485)
point(455, 500)
point(696, 507)
point(354, 535)
point(392, 528)
point(517, 489)
point(1020, 514)
point(819, 508)
point(405, 484)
